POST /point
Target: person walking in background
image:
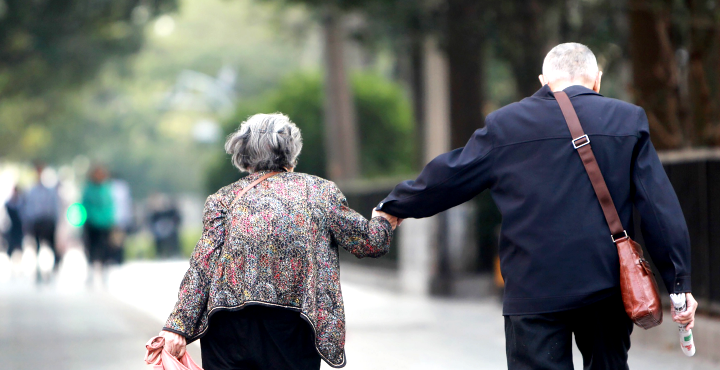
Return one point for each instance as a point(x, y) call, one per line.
point(98, 202)
point(14, 235)
point(559, 262)
point(40, 208)
point(123, 218)
point(263, 287)
point(165, 225)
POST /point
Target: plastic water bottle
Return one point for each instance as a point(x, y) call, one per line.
point(686, 338)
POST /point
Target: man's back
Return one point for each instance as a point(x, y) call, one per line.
point(555, 247)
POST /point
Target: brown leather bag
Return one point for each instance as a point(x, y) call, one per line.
point(637, 282)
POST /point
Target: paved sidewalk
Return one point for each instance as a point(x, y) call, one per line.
point(67, 325)
point(71, 326)
point(45, 329)
point(387, 330)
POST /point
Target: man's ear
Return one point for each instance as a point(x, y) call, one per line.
point(542, 79)
point(596, 87)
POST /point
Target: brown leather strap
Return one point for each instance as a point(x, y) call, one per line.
point(252, 185)
point(591, 166)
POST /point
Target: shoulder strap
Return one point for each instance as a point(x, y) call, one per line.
point(252, 185)
point(581, 143)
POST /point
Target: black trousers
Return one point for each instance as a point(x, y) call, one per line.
point(544, 341)
point(97, 243)
point(44, 230)
point(259, 338)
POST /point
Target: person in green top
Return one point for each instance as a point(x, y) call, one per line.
point(98, 202)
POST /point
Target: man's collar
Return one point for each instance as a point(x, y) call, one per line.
point(571, 91)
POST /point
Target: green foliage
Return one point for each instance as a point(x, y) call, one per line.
point(384, 118)
point(50, 44)
point(48, 51)
point(189, 237)
point(139, 246)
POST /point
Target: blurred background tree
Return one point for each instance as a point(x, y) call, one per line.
point(50, 47)
point(98, 79)
point(74, 72)
point(51, 44)
point(675, 51)
point(668, 48)
point(117, 113)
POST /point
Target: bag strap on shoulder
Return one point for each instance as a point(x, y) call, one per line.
point(252, 185)
point(581, 143)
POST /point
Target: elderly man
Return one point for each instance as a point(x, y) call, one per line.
point(557, 257)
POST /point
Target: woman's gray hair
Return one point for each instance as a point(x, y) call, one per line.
point(265, 142)
point(570, 62)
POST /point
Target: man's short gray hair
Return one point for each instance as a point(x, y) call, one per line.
point(265, 142)
point(570, 62)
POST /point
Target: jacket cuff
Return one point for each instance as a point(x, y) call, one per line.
point(681, 284)
point(380, 206)
point(176, 332)
point(383, 221)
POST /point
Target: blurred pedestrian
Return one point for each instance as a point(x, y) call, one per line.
point(123, 218)
point(165, 222)
point(98, 202)
point(39, 212)
point(263, 288)
point(558, 259)
point(14, 235)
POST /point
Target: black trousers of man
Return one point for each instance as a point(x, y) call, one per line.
point(544, 341)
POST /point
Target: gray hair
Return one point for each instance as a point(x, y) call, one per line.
point(265, 142)
point(570, 62)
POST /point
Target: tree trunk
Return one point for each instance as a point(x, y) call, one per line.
point(714, 128)
point(341, 135)
point(655, 71)
point(417, 83)
point(527, 64)
point(465, 41)
point(437, 141)
point(702, 58)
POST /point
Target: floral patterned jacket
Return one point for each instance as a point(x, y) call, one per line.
point(277, 246)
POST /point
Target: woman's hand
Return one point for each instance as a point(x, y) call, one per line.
point(687, 317)
point(174, 343)
point(392, 219)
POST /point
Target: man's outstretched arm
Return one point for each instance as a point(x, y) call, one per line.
point(448, 180)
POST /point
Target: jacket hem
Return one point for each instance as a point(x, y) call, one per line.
point(533, 306)
point(267, 304)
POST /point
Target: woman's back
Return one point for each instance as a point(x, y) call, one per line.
point(271, 240)
point(277, 246)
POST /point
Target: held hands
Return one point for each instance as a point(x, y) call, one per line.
point(394, 221)
point(174, 343)
point(687, 317)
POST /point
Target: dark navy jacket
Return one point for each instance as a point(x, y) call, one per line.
point(556, 252)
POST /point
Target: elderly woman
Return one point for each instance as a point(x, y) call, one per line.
point(263, 287)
